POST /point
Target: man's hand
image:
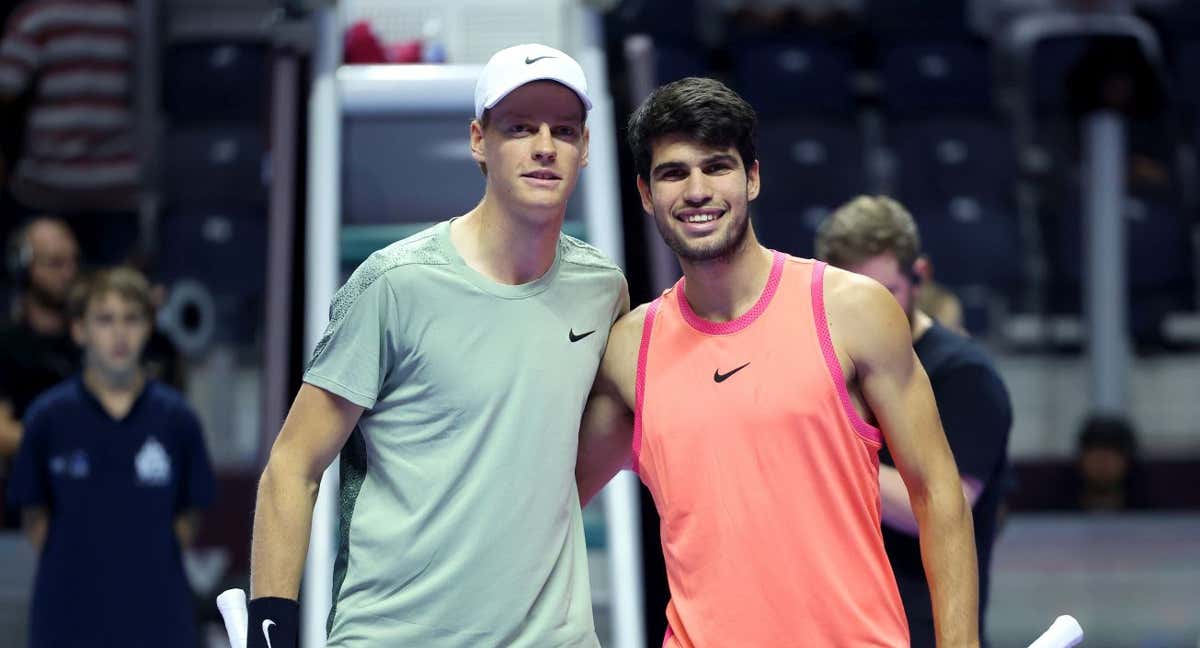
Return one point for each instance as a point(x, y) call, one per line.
point(35, 522)
point(10, 430)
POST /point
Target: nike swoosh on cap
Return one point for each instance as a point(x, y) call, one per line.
point(531, 61)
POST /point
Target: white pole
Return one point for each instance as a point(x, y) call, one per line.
point(324, 137)
point(1105, 280)
point(602, 212)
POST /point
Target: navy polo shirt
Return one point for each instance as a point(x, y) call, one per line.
point(111, 572)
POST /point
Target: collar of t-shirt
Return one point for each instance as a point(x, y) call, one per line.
point(94, 401)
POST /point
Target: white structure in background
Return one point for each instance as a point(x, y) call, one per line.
point(471, 31)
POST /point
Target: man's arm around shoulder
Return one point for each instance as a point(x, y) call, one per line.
point(606, 431)
point(869, 327)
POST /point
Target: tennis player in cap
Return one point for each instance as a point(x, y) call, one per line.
point(451, 380)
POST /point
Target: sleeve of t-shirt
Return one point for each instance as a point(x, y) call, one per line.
point(355, 355)
point(196, 483)
point(20, 52)
point(29, 482)
point(976, 415)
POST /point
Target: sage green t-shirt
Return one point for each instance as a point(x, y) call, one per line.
point(460, 520)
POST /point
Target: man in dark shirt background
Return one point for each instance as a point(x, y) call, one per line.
point(36, 350)
point(877, 237)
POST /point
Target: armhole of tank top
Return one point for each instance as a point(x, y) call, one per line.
point(865, 430)
point(639, 384)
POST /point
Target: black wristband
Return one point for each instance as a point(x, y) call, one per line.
point(274, 623)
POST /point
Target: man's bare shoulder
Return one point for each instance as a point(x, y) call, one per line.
point(624, 341)
point(629, 326)
point(863, 316)
point(855, 295)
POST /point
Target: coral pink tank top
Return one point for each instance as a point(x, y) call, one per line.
point(765, 477)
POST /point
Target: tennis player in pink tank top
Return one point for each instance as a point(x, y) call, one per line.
point(752, 398)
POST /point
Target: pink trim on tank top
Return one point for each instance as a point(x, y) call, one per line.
point(865, 430)
point(747, 318)
point(640, 380)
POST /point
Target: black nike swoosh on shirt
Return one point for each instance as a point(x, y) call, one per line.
point(576, 338)
point(531, 61)
point(720, 377)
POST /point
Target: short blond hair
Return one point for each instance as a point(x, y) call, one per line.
point(122, 281)
point(867, 227)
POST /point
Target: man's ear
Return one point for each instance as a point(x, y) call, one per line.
point(644, 191)
point(753, 182)
point(77, 332)
point(477, 152)
point(922, 270)
point(583, 158)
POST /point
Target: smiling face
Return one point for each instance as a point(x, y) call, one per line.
point(699, 196)
point(534, 145)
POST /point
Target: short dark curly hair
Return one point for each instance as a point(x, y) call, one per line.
point(702, 109)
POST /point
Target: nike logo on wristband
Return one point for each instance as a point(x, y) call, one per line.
point(267, 631)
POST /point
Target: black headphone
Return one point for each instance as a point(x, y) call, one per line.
point(18, 256)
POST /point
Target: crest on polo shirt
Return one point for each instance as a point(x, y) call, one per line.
point(152, 464)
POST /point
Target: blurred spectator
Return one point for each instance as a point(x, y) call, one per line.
point(110, 470)
point(938, 301)
point(36, 351)
point(779, 15)
point(1114, 75)
point(75, 58)
point(1107, 465)
point(988, 16)
point(878, 238)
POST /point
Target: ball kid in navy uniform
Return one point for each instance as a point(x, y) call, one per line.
point(110, 470)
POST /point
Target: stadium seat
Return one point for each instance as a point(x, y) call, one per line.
point(796, 77)
point(219, 163)
point(808, 168)
point(675, 61)
point(923, 76)
point(938, 159)
point(206, 82)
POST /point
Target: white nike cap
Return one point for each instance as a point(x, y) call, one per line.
point(513, 67)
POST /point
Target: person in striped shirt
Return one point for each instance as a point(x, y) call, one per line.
point(74, 58)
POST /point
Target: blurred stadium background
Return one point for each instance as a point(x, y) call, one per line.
point(284, 141)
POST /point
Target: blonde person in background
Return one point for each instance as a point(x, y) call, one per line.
point(876, 237)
